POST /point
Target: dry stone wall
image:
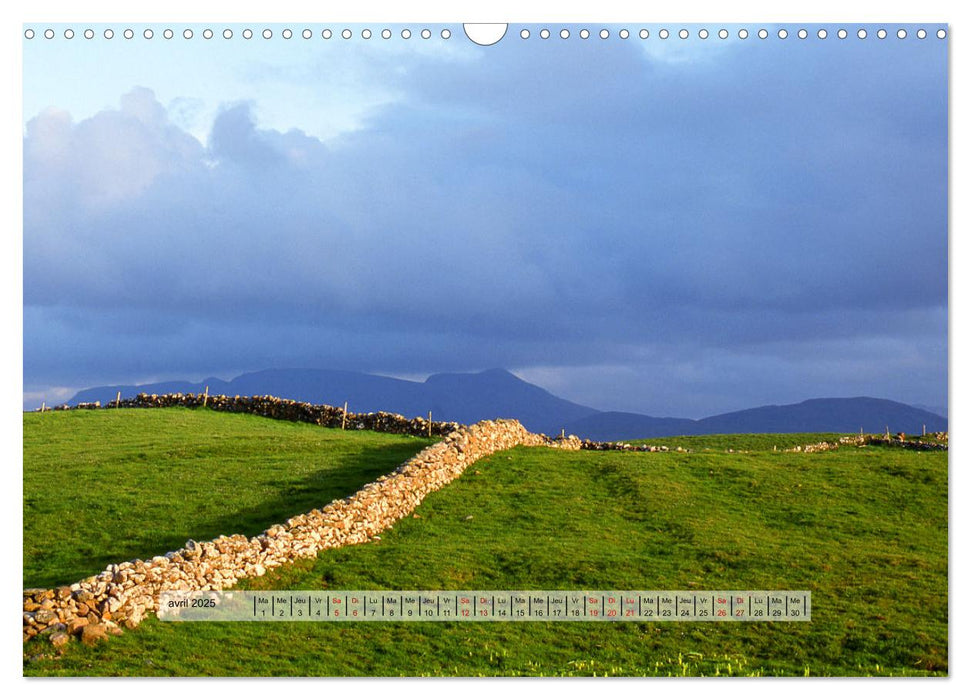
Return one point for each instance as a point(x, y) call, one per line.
point(937, 442)
point(124, 594)
point(864, 440)
point(283, 409)
point(626, 447)
point(335, 417)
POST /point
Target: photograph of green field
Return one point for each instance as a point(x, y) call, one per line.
point(541, 310)
point(863, 528)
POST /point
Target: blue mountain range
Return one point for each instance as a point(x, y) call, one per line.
point(497, 393)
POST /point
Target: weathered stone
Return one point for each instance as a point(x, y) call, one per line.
point(92, 634)
point(83, 596)
point(59, 639)
point(75, 625)
point(44, 616)
point(38, 594)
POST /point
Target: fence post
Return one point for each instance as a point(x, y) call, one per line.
point(429, 424)
point(344, 416)
point(118, 400)
point(205, 399)
point(43, 406)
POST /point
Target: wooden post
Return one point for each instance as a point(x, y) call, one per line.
point(118, 400)
point(923, 432)
point(43, 406)
point(429, 424)
point(887, 428)
point(344, 416)
point(562, 433)
point(205, 399)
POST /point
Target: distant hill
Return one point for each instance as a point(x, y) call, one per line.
point(938, 410)
point(496, 393)
point(827, 416)
point(465, 398)
point(616, 425)
point(812, 416)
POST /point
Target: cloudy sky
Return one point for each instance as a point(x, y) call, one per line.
point(674, 227)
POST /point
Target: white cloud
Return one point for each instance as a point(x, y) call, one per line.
point(326, 88)
point(569, 217)
point(112, 156)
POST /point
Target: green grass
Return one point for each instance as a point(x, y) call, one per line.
point(102, 487)
point(738, 443)
point(864, 529)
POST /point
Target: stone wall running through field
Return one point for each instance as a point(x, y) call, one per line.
point(123, 594)
point(283, 409)
point(382, 422)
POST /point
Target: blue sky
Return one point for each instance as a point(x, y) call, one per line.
point(675, 227)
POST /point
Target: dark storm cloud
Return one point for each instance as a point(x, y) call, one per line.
point(763, 208)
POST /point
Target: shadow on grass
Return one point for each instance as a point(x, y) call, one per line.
point(346, 475)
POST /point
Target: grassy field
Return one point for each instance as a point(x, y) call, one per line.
point(740, 443)
point(107, 486)
point(865, 529)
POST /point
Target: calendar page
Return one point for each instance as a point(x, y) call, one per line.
point(549, 348)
